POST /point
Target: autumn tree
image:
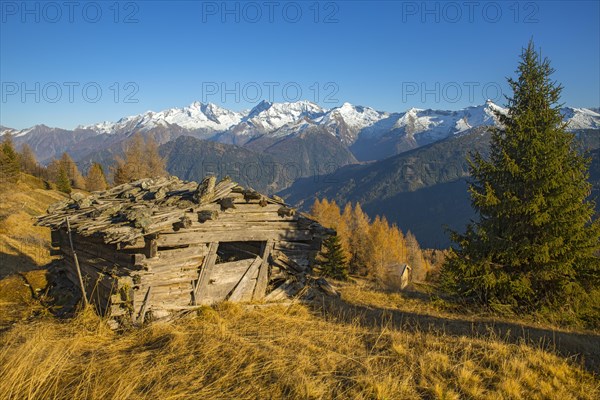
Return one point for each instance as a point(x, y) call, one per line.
point(415, 258)
point(369, 248)
point(328, 214)
point(534, 242)
point(95, 179)
point(140, 160)
point(73, 173)
point(29, 162)
point(358, 224)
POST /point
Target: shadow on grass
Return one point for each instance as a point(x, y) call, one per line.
point(13, 260)
point(584, 348)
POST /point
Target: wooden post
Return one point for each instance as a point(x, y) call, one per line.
point(205, 269)
point(263, 273)
point(142, 314)
point(85, 300)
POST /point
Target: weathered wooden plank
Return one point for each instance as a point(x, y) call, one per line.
point(262, 279)
point(300, 246)
point(221, 225)
point(283, 260)
point(241, 208)
point(223, 279)
point(205, 270)
point(95, 251)
point(244, 290)
point(173, 239)
point(92, 245)
point(191, 251)
point(151, 247)
point(284, 291)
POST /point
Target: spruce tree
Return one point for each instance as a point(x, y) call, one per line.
point(10, 163)
point(63, 183)
point(535, 240)
point(333, 262)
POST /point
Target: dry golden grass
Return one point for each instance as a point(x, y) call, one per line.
point(233, 353)
point(230, 352)
point(363, 293)
point(24, 247)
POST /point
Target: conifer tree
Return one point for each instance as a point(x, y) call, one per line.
point(10, 164)
point(534, 243)
point(73, 173)
point(63, 183)
point(333, 262)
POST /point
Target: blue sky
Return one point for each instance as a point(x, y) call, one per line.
point(64, 64)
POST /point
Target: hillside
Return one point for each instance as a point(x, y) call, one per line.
point(265, 164)
point(278, 352)
point(423, 190)
point(366, 344)
point(24, 247)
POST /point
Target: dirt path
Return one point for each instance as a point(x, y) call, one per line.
point(584, 347)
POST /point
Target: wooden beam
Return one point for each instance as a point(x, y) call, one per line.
point(242, 234)
point(222, 280)
point(151, 247)
point(263, 274)
point(205, 270)
point(243, 291)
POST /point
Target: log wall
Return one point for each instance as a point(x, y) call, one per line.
point(176, 268)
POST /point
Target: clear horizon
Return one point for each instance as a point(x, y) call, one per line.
point(65, 65)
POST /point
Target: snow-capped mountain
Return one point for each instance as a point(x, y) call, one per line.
point(581, 118)
point(347, 121)
point(370, 134)
point(268, 117)
point(195, 116)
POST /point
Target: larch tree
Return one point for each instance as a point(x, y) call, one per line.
point(140, 160)
point(29, 163)
point(415, 258)
point(378, 253)
point(534, 243)
point(95, 179)
point(359, 226)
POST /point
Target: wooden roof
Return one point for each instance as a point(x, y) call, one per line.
point(132, 210)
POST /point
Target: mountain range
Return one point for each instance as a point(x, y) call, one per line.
point(368, 133)
point(409, 166)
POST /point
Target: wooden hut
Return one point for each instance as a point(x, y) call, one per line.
point(399, 275)
point(151, 247)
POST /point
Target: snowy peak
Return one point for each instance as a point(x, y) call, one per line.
point(268, 117)
point(580, 118)
point(347, 121)
point(195, 116)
